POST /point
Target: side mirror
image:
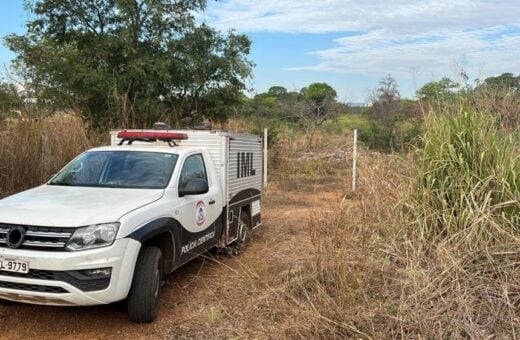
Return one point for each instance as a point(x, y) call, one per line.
point(195, 186)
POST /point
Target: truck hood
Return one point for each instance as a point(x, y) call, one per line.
point(61, 206)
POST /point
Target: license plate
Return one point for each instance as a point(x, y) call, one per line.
point(14, 265)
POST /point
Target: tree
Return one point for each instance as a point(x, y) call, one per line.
point(269, 104)
point(318, 92)
point(499, 96)
point(10, 98)
point(396, 121)
point(437, 91)
point(505, 81)
point(277, 91)
point(388, 90)
point(130, 62)
point(315, 106)
point(385, 103)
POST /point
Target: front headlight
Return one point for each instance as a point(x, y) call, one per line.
point(94, 236)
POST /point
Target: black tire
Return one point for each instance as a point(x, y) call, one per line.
point(244, 232)
point(7, 302)
point(143, 299)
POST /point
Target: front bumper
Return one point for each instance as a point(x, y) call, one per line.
point(38, 289)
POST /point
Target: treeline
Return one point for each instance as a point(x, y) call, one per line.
point(388, 122)
point(130, 63)
point(307, 109)
point(401, 121)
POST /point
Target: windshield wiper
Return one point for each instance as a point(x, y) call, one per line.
point(65, 184)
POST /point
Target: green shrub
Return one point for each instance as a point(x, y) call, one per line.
point(370, 132)
point(408, 134)
point(347, 122)
point(375, 137)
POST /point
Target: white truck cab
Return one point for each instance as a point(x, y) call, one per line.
point(116, 219)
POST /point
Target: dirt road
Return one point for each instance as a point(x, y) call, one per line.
point(211, 297)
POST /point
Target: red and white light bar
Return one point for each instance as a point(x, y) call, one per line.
point(151, 135)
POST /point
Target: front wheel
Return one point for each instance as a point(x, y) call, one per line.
point(7, 302)
point(143, 299)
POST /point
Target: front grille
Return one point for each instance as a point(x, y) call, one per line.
point(32, 288)
point(72, 277)
point(39, 238)
point(33, 274)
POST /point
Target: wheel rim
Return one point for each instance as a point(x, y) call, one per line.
point(242, 232)
point(157, 283)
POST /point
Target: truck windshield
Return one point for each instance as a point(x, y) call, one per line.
point(118, 169)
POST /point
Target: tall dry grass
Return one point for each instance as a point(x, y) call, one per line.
point(31, 150)
point(462, 257)
point(468, 181)
point(350, 287)
point(502, 103)
point(430, 249)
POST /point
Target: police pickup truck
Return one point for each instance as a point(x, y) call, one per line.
point(114, 221)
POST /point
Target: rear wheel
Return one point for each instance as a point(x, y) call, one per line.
point(244, 232)
point(143, 299)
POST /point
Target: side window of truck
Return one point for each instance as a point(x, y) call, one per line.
point(193, 168)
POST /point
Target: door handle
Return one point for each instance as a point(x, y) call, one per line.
point(211, 201)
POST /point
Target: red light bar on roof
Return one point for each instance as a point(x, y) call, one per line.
point(151, 135)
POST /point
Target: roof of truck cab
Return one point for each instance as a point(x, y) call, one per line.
point(163, 148)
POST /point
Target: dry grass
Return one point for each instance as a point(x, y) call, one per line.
point(373, 276)
point(461, 256)
point(355, 268)
point(451, 293)
point(31, 150)
point(328, 164)
point(367, 277)
point(348, 288)
point(501, 103)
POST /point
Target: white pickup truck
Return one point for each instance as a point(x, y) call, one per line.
point(114, 221)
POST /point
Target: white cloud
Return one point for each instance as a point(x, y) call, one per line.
point(390, 36)
point(405, 16)
point(383, 52)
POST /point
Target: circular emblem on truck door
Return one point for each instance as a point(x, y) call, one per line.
point(15, 237)
point(200, 213)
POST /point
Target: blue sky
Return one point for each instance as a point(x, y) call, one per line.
point(275, 53)
point(12, 20)
point(351, 44)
